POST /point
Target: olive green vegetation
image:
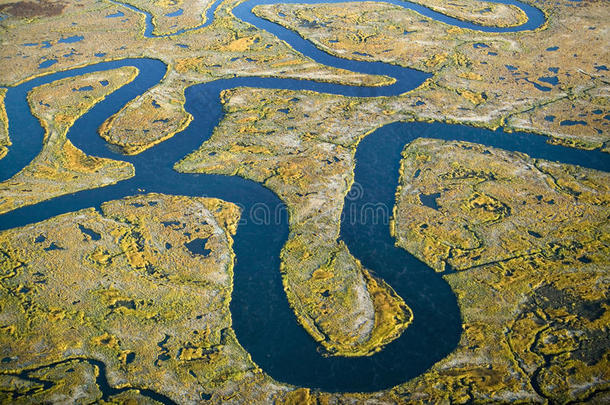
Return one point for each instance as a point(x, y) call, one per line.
point(524, 244)
point(60, 168)
point(221, 50)
point(529, 278)
point(483, 79)
point(310, 167)
point(505, 231)
point(120, 286)
point(482, 13)
point(479, 190)
point(193, 13)
point(4, 137)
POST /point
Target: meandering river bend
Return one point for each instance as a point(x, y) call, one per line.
point(263, 321)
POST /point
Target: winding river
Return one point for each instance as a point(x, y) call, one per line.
point(263, 321)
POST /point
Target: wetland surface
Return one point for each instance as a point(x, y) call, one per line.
point(262, 318)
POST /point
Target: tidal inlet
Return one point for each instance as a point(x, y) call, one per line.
point(304, 202)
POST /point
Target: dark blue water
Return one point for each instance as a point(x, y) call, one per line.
point(71, 40)
point(47, 63)
point(263, 322)
point(148, 31)
point(243, 11)
point(116, 15)
point(535, 16)
point(175, 13)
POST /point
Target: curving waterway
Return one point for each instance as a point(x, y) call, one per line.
point(263, 321)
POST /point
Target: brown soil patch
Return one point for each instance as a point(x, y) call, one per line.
point(29, 9)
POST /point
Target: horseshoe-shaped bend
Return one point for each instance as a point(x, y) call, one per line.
point(262, 319)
